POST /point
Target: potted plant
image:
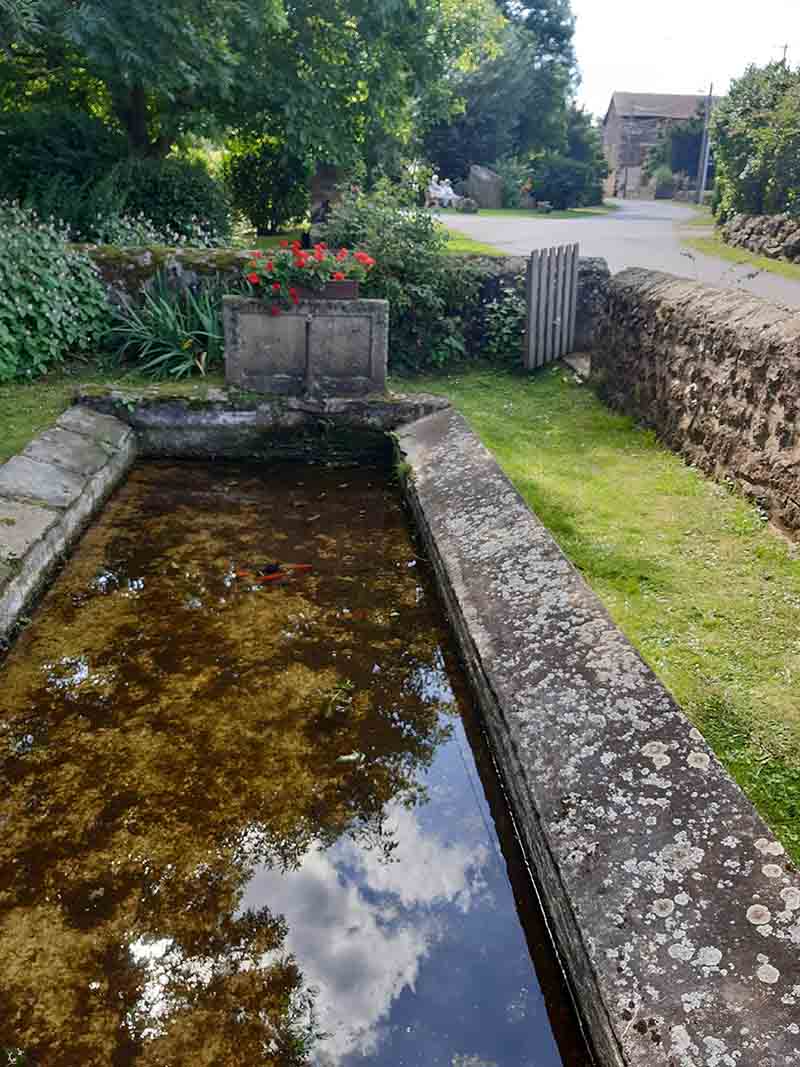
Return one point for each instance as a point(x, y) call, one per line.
point(291, 273)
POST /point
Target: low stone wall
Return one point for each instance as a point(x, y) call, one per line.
point(126, 272)
point(716, 372)
point(47, 495)
point(774, 236)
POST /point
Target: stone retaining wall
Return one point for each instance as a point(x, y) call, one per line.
point(126, 272)
point(774, 236)
point(48, 494)
point(716, 372)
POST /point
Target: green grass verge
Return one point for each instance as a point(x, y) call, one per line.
point(705, 590)
point(459, 243)
point(275, 240)
point(28, 408)
point(715, 246)
point(527, 213)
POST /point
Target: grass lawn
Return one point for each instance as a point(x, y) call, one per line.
point(526, 213)
point(27, 409)
point(706, 591)
point(458, 243)
point(715, 246)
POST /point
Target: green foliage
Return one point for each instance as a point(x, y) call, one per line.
point(505, 325)
point(172, 333)
point(177, 196)
point(514, 102)
point(51, 301)
point(565, 183)
point(514, 173)
point(428, 292)
point(266, 182)
point(756, 139)
point(38, 147)
point(678, 148)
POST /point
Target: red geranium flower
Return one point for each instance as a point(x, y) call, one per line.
point(257, 254)
point(270, 267)
point(274, 310)
point(342, 254)
point(294, 297)
point(253, 278)
point(338, 276)
point(276, 287)
point(284, 244)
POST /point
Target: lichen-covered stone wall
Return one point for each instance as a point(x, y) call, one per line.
point(716, 372)
point(774, 236)
point(126, 272)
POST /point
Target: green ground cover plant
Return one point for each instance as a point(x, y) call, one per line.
point(51, 300)
point(705, 590)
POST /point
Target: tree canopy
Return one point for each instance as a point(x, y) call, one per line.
point(516, 100)
point(756, 138)
point(317, 71)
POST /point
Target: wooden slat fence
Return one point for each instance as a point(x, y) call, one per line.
point(552, 298)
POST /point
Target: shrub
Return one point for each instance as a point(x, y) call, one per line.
point(428, 292)
point(266, 183)
point(39, 148)
point(756, 139)
point(51, 300)
point(172, 333)
point(505, 325)
point(565, 183)
point(514, 173)
point(179, 198)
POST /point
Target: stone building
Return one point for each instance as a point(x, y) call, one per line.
point(631, 128)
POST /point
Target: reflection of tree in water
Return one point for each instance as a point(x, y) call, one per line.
point(152, 755)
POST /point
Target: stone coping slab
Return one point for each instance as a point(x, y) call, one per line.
point(675, 910)
point(230, 423)
point(48, 494)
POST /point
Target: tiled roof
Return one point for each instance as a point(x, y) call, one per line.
point(657, 105)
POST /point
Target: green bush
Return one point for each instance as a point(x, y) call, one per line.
point(756, 139)
point(39, 148)
point(177, 197)
point(51, 301)
point(565, 183)
point(514, 173)
point(505, 325)
point(429, 292)
point(266, 183)
point(172, 333)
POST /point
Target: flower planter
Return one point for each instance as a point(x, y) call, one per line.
point(321, 347)
point(346, 290)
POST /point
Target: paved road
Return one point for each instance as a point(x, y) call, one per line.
point(642, 233)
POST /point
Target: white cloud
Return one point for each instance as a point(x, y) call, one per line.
point(360, 929)
point(680, 47)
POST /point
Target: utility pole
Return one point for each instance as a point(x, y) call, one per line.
point(705, 151)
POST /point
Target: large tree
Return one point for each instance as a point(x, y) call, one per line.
point(756, 140)
point(516, 101)
point(319, 72)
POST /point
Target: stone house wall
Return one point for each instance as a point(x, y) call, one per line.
point(716, 372)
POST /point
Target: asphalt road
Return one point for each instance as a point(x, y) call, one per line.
point(642, 233)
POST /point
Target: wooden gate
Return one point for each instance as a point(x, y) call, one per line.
point(552, 299)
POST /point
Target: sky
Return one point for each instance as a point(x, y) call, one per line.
point(677, 46)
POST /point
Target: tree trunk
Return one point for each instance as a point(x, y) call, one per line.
point(131, 107)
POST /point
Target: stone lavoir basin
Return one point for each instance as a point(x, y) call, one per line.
point(247, 814)
point(250, 816)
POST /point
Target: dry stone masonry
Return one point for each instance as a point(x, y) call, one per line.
point(774, 236)
point(716, 372)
